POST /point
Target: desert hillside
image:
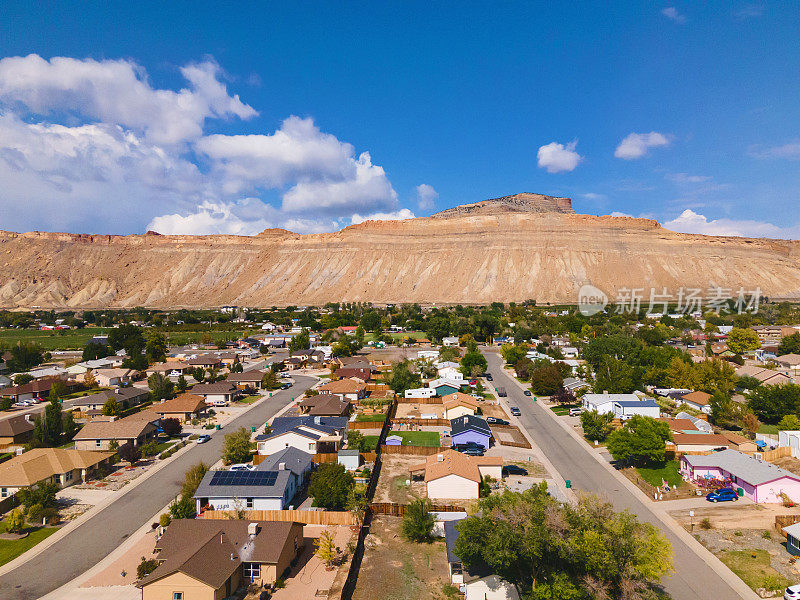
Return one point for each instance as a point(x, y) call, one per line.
point(509, 249)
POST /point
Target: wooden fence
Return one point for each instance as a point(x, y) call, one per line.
point(420, 401)
point(418, 450)
point(782, 521)
point(364, 425)
point(771, 455)
point(308, 517)
point(326, 457)
point(398, 510)
point(421, 422)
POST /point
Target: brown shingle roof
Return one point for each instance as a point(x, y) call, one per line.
point(41, 463)
point(699, 398)
point(459, 399)
point(700, 439)
point(325, 405)
point(14, 426)
point(343, 386)
point(185, 403)
point(455, 463)
point(121, 429)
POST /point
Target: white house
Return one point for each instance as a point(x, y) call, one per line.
point(450, 342)
point(624, 409)
point(569, 352)
point(604, 403)
point(451, 373)
point(420, 393)
point(428, 353)
point(455, 476)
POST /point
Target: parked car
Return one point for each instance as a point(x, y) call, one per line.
point(202, 439)
point(241, 467)
point(515, 411)
point(527, 392)
point(575, 412)
point(792, 592)
point(513, 470)
point(496, 421)
point(501, 391)
point(488, 377)
point(470, 449)
point(722, 495)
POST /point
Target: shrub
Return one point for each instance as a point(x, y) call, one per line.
point(418, 521)
point(705, 523)
point(164, 520)
point(146, 567)
point(15, 521)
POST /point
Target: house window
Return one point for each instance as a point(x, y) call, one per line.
point(249, 503)
point(97, 443)
point(3, 492)
point(252, 571)
point(177, 595)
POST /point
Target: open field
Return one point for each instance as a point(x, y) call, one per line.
point(394, 569)
point(76, 339)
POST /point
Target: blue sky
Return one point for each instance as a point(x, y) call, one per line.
point(311, 116)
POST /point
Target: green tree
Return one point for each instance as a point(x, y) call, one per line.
point(237, 447)
point(741, 341)
point(15, 522)
point(237, 368)
point(161, 388)
point(546, 380)
point(401, 378)
point(789, 423)
point(724, 411)
point(301, 341)
point(640, 441)
point(270, 380)
point(156, 346)
point(24, 356)
point(616, 377)
point(111, 408)
point(145, 567)
point(418, 521)
point(23, 378)
point(371, 321)
point(356, 441)
point(182, 386)
point(790, 345)
point(43, 494)
point(94, 350)
point(473, 364)
point(771, 403)
point(127, 337)
point(513, 354)
point(596, 426)
point(330, 486)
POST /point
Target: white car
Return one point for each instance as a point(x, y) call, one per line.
point(241, 467)
point(575, 412)
point(792, 592)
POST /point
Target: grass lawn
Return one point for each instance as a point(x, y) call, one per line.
point(563, 409)
point(378, 418)
point(11, 549)
point(410, 438)
point(65, 339)
point(773, 429)
point(249, 399)
point(370, 443)
point(670, 472)
point(163, 446)
point(398, 335)
point(752, 567)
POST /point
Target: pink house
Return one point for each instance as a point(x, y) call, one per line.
point(761, 481)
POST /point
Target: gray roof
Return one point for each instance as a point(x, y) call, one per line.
point(469, 423)
point(349, 452)
point(637, 403)
point(751, 470)
point(295, 461)
point(276, 490)
point(119, 394)
point(326, 424)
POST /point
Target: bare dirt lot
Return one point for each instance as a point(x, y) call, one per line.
point(392, 482)
point(789, 463)
point(735, 515)
point(394, 569)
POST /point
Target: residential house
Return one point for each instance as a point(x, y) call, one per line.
point(38, 388)
point(625, 409)
point(228, 358)
point(789, 362)
point(762, 482)
point(450, 342)
point(92, 405)
point(793, 539)
point(420, 393)
point(453, 475)
point(324, 405)
point(16, 430)
point(740, 443)
point(432, 353)
point(220, 393)
point(315, 435)
point(573, 384)
point(247, 379)
point(206, 361)
point(470, 428)
point(50, 465)
point(679, 425)
point(697, 442)
point(477, 583)
point(604, 403)
point(697, 400)
point(184, 408)
point(700, 424)
point(271, 486)
point(765, 376)
point(458, 405)
point(98, 435)
point(364, 374)
point(445, 387)
point(211, 558)
point(450, 371)
point(346, 389)
point(112, 377)
point(774, 334)
point(169, 369)
point(78, 370)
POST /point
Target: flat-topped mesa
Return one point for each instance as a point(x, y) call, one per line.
point(520, 203)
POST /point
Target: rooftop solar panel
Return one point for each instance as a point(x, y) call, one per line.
point(259, 478)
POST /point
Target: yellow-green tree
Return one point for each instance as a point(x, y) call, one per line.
point(326, 548)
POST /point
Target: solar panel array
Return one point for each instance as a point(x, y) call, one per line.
point(265, 478)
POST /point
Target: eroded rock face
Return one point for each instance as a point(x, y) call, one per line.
point(478, 253)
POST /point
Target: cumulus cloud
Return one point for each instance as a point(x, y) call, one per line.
point(397, 215)
point(691, 222)
point(558, 158)
point(117, 91)
point(636, 145)
point(90, 145)
point(673, 14)
point(426, 196)
point(790, 151)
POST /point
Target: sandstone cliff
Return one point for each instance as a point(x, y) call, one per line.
point(525, 247)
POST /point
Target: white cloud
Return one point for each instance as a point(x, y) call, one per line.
point(593, 196)
point(636, 145)
point(673, 14)
point(750, 11)
point(398, 215)
point(685, 178)
point(557, 158)
point(92, 146)
point(426, 196)
point(621, 214)
point(117, 92)
point(691, 222)
point(790, 151)
point(368, 189)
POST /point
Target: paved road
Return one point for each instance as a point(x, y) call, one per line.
point(86, 545)
point(693, 578)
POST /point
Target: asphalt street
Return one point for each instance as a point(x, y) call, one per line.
point(692, 578)
point(92, 540)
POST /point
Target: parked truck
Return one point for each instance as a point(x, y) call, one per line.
point(501, 391)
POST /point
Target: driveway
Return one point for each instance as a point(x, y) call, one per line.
point(97, 537)
point(693, 577)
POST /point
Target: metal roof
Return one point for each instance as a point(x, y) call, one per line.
point(751, 470)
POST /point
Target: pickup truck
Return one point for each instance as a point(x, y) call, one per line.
point(501, 391)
